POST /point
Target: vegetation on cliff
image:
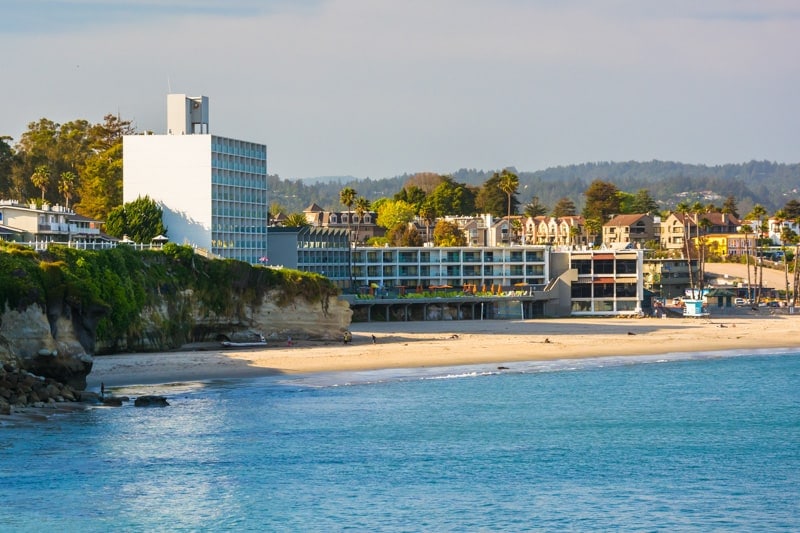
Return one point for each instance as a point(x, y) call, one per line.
point(120, 283)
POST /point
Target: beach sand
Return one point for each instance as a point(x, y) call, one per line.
point(451, 343)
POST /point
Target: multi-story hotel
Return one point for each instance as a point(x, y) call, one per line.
point(213, 190)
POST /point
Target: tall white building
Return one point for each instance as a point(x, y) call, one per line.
point(213, 190)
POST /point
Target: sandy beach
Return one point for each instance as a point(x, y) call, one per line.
point(450, 343)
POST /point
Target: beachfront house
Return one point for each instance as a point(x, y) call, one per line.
point(29, 223)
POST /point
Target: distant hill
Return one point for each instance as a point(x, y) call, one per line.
point(756, 182)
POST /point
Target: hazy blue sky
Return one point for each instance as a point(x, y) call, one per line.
point(375, 88)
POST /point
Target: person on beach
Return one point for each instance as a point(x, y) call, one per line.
point(374, 340)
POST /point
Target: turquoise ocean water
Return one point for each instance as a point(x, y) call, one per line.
point(696, 442)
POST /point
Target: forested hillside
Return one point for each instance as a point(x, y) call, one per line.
point(756, 182)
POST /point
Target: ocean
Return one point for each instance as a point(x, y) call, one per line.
point(684, 442)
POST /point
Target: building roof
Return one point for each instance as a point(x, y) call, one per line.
point(626, 220)
point(716, 219)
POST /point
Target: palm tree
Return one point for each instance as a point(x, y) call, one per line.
point(787, 236)
point(296, 220)
point(41, 178)
point(703, 224)
point(348, 197)
point(684, 209)
point(66, 186)
point(509, 183)
point(696, 209)
point(746, 229)
point(757, 215)
point(362, 208)
point(516, 227)
point(428, 215)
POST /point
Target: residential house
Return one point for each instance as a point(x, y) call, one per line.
point(633, 229)
point(29, 223)
point(362, 228)
point(556, 231)
point(674, 227)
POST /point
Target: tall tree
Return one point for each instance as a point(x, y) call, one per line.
point(535, 208)
point(66, 186)
point(393, 213)
point(746, 229)
point(448, 233)
point(452, 198)
point(685, 209)
point(643, 202)
point(41, 178)
point(403, 235)
point(564, 208)
point(428, 215)
point(412, 195)
point(348, 197)
point(493, 199)
point(758, 217)
point(6, 163)
point(602, 201)
point(792, 209)
point(729, 207)
point(787, 236)
point(362, 207)
point(509, 183)
point(100, 187)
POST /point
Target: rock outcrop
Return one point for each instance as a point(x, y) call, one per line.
point(45, 345)
point(60, 347)
point(20, 388)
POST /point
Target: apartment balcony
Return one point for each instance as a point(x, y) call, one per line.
point(66, 229)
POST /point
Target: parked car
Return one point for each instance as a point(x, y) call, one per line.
point(739, 302)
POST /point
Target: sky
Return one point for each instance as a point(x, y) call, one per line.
point(379, 88)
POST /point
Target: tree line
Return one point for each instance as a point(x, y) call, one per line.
point(79, 164)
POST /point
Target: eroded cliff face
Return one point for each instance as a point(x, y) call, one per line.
point(45, 345)
point(181, 320)
point(60, 346)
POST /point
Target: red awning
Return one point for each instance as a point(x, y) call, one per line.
point(603, 280)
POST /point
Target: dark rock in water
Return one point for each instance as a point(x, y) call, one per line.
point(112, 401)
point(151, 401)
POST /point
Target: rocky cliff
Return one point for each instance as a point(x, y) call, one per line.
point(63, 308)
point(51, 346)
